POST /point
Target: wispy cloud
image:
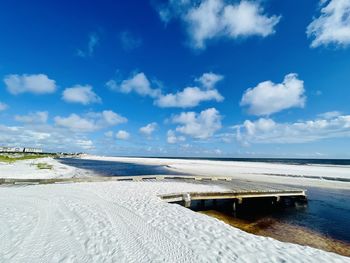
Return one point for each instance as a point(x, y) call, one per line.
point(129, 41)
point(33, 117)
point(333, 24)
point(173, 138)
point(330, 114)
point(3, 106)
point(91, 46)
point(91, 121)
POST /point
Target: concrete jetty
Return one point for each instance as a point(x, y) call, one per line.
point(236, 190)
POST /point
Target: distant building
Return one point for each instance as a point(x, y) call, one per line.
point(32, 150)
point(11, 149)
point(20, 149)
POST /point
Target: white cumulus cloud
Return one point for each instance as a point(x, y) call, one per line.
point(92, 121)
point(148, 129)
point(85, 144)
point(122, 135)
point(210, 19)
point(37, 84)
point(333, 24)
point(267, 97)
point(193, 96)
point(112, 118)
point(44, 136)
point(33, 117)
point(200, 126)
point(81, 94)
point(189, 97)
point(209, 80)
point(138, 83)
point(76, 123)
point(266, 130)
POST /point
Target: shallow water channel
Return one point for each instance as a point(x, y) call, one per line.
point(321, 223)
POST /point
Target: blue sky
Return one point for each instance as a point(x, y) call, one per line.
point(177, 78)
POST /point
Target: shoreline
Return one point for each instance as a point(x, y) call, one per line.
point(270, 227)
point(299, 175)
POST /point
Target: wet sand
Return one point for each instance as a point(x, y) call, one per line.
point(271, 227)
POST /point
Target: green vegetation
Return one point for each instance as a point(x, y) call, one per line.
point(10, 158)
point(44, 166)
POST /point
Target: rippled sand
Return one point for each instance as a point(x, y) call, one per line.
point(284, 232)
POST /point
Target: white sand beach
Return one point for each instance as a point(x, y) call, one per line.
point(124, 222)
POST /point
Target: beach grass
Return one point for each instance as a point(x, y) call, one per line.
point(10, 158)
point(44, 166)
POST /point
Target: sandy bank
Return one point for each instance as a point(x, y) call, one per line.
point(318, 175)
point(28, 169)
point(127, 222)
